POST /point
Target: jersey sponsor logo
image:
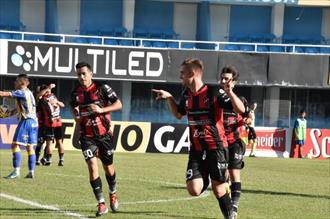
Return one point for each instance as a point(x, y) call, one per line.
point(200, 122)
point(201, 134)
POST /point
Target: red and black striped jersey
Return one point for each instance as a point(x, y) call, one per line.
point(232, 120)
point(49, 113)
point(93, 124)
point(205, 119)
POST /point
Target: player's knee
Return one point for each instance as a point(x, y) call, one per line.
point(15, 148)
point(194, 190)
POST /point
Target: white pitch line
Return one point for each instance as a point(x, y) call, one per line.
point(205, 194)
point(120, 178)
point(47, 207)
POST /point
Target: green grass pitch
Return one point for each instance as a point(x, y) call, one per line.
point(152, 186)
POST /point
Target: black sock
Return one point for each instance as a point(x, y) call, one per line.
point(38, 149)
point(225, 205)
point(235, 194)
point(111, 182)
point(61, 156)
point(97, 189)
point(49, 157)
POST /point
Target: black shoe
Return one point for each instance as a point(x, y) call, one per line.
point(38, 163)
point(44, 162)
point(61, 163)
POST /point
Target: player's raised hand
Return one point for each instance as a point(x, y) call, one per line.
point(228, 86)
point(51, 86)
point(161, 94)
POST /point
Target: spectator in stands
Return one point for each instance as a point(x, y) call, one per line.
point(300, 127)
point(252, 136)
point(27, 129)
point(50, 123)
point(207, 155)
point(91, 104)
point(233, 124)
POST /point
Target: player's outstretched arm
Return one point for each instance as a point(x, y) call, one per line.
point(5, 94)
point(162, 94)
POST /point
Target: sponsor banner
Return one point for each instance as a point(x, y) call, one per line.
point(141, 137)
point(58, 60)
point(131, 136)
point(271, 139)
point(317, 144)
point(168, 138)
point(134, 137)
point(8, 127)
point(271, 142)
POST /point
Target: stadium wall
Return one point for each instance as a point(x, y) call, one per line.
point(146, 137)
point(142, 64)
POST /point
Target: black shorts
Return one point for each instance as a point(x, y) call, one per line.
point(101, 147)
point(236, 154)
point(51, 133)
point(252, 134)
point(41, 135)
point(212, 163)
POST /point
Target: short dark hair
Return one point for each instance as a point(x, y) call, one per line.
point(83, 64)
point(43, 87)
point(193, 64)
point(23, 78)
point(230, 70)
point(302, 111)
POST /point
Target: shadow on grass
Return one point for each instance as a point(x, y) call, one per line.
point(284, 193)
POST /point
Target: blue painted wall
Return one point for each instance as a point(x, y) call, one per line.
point(9, 14)
point(310, 22)
point(153, 15)
point(250, 19)
point(100, 15)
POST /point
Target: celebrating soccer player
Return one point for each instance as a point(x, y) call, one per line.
point(207, 155)
point(91, 104)
point(233, 121)
point(49, 115)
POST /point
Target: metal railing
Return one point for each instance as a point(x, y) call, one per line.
point(309, 49)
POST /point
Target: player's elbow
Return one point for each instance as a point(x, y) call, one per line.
point(119, 105)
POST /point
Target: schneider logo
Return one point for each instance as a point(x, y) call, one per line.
point(22, 58)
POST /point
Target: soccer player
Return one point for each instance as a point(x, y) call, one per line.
point(233, 122)
point(27, 129)
point(49, 113)
point(207, 155)
point(91, 104)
